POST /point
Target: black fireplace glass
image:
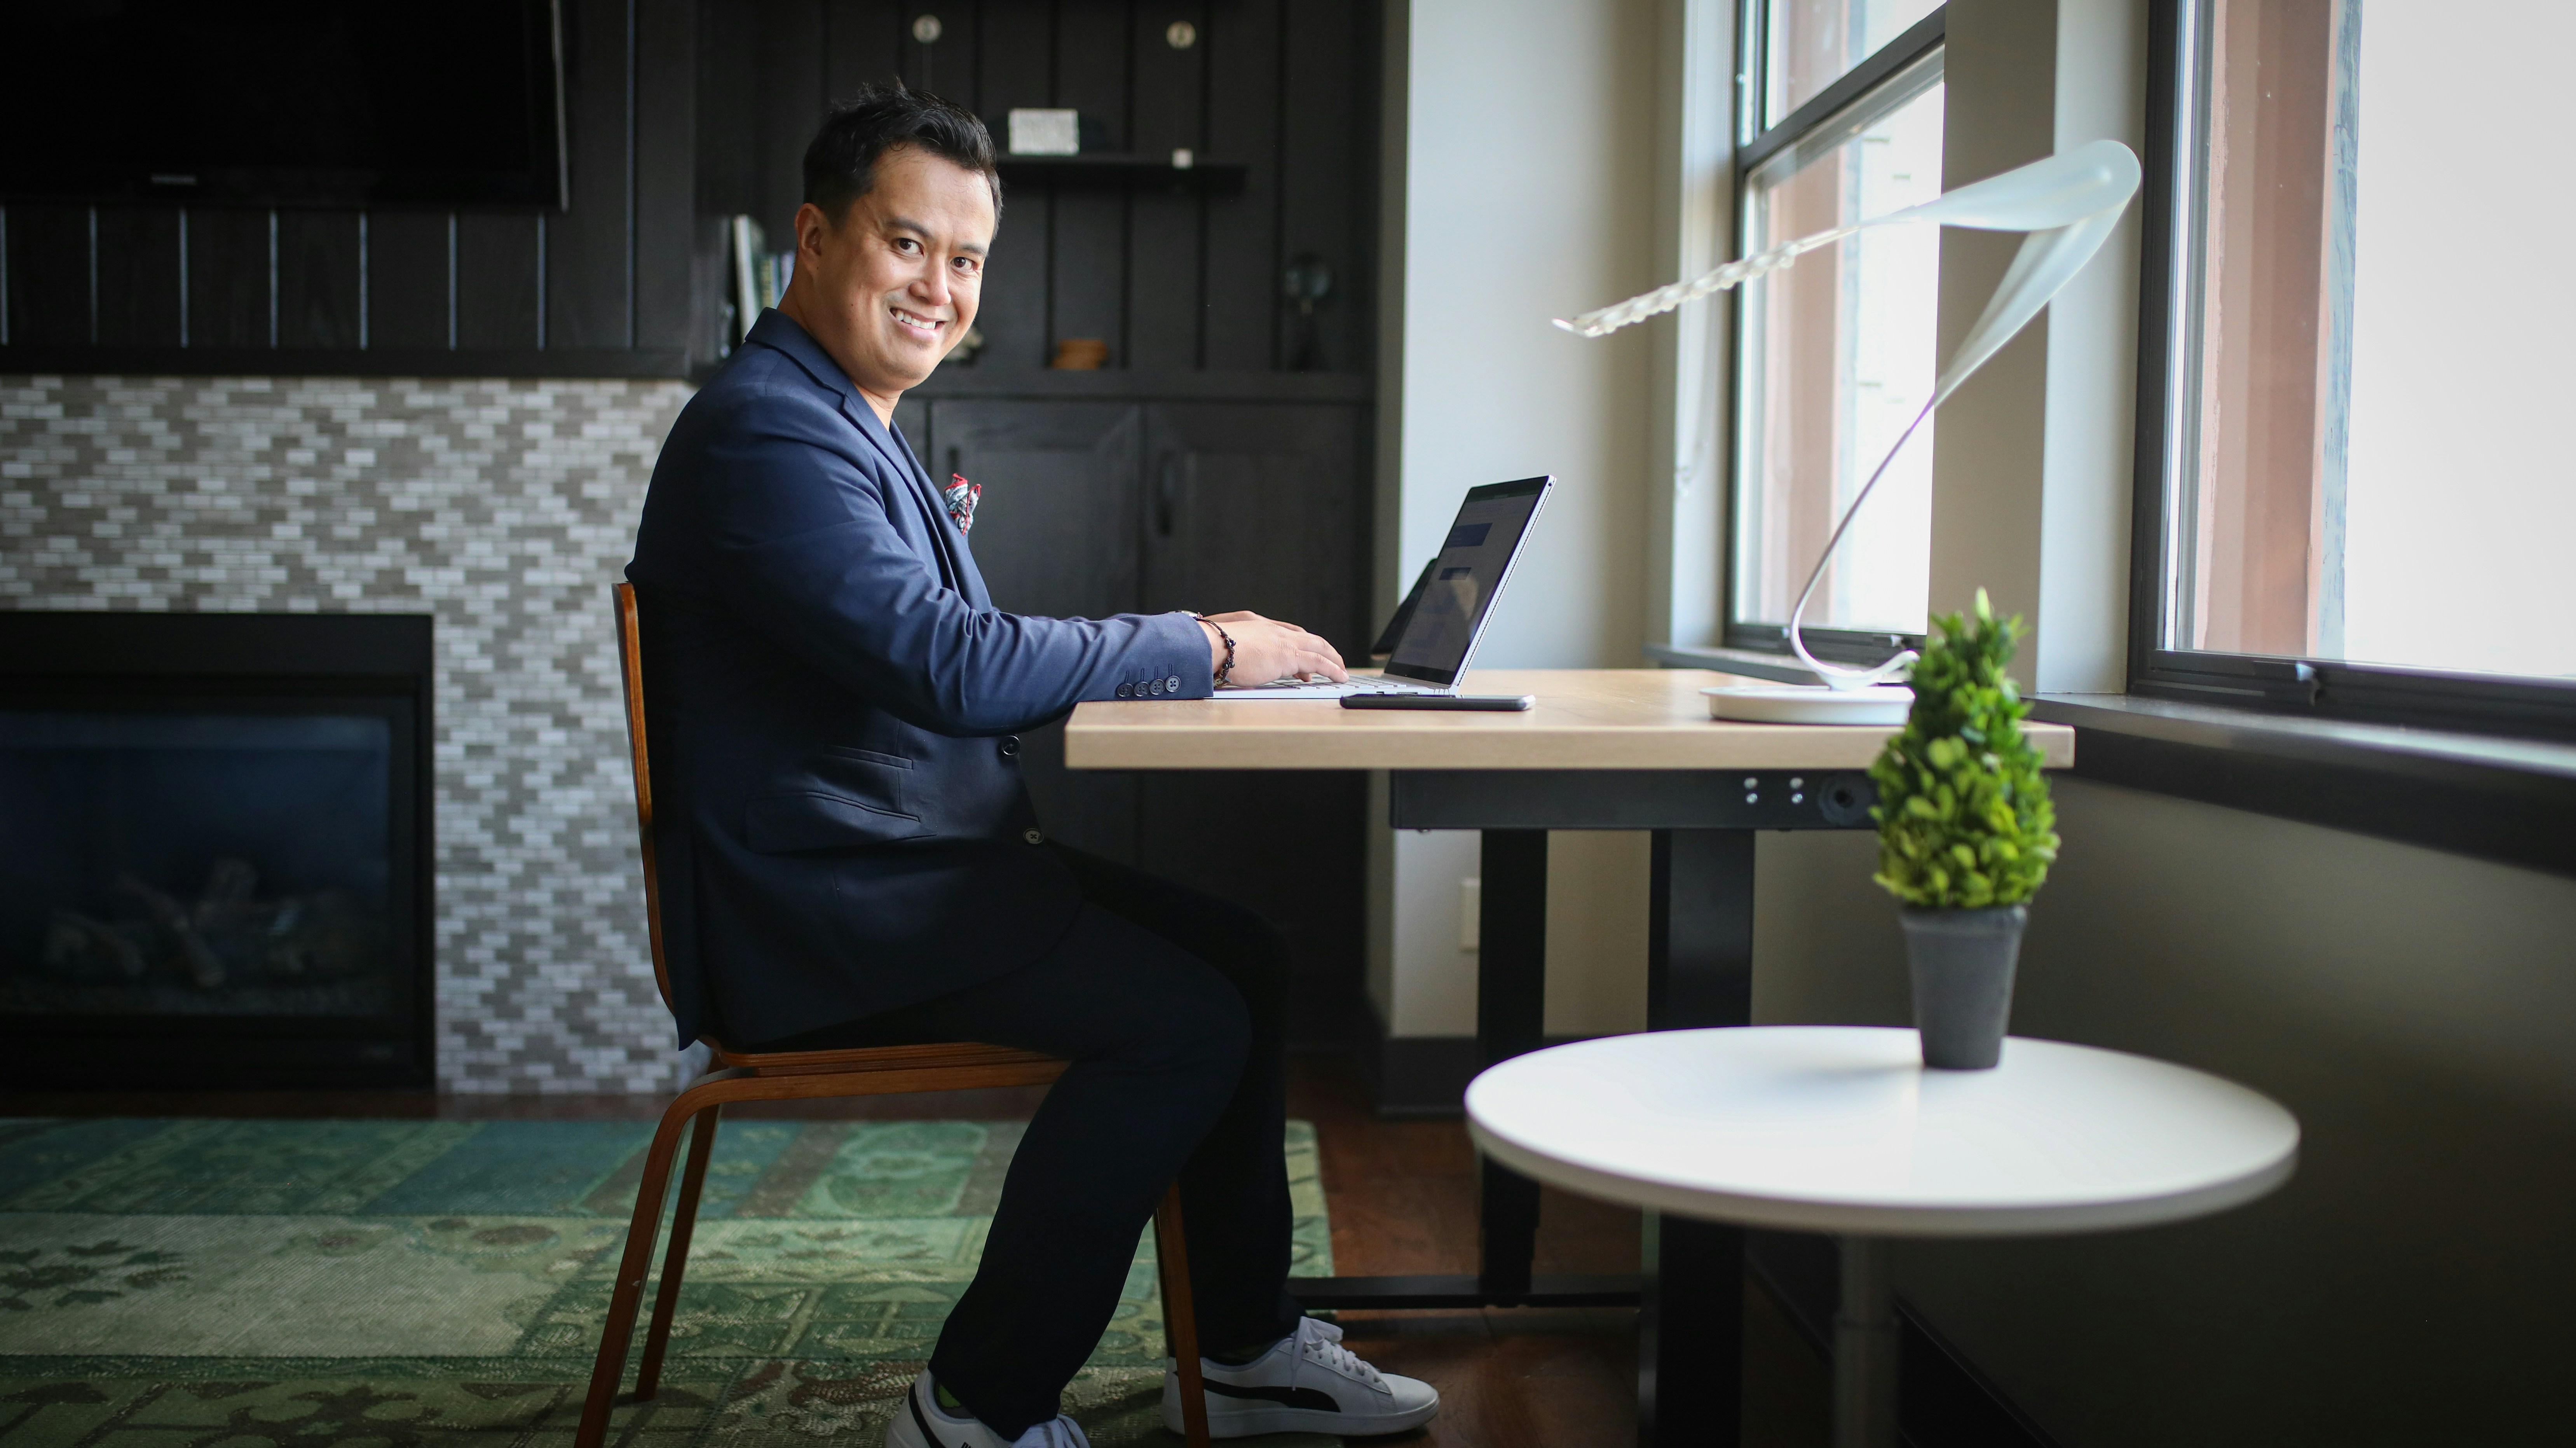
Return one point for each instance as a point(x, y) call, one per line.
point(187, 863)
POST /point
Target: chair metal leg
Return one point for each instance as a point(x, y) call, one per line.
point(684, 1221)
point(619, 1330)
point(1180, 1316)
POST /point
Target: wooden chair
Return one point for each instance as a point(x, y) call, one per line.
point(798, 1075)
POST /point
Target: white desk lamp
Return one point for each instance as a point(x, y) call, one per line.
point(2068, 204)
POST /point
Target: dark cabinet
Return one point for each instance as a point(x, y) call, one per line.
point(1054, 535)
point(1093, 508)
point(1055, 532)
point(1258, 507)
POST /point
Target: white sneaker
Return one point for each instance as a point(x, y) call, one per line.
point(1308, 1382)
point(922, 1423)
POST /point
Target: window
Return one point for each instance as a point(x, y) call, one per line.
point(1807, 45)
point(2361, 492)
point(1835, 355)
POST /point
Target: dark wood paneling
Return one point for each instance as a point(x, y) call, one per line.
point(1088, 264)
point(865, 41)
point(1087, 270)
point(496, 280)
point(317, 279)
point(49, 276)
point(622, 270)
point(337, 362)
point(1168, 102)
point(228, 278)
point(407, 275)
point(1168, 98)
point(1321, 175)
point(586, 247)
point(1241, 39)
point(1013, 317)
point(698, 109)
point(728, 110)
point(792, 87)
point(1221, 475)
point(665, 71)
point(946, 67)
point(1055, 535)
point(912, 419)
point(138, 276)
point(1016, 59)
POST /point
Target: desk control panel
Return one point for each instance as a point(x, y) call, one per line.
point(1630, 799)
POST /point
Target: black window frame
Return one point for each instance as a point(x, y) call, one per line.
point(2327, 689)
point(1753, 146)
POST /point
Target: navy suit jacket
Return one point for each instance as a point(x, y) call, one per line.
point(840, 824)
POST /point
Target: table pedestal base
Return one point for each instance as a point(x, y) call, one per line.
point(1865, 1349)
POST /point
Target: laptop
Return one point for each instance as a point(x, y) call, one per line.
point(1434, 634)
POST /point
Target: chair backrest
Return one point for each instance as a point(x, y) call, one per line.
point(630, 664)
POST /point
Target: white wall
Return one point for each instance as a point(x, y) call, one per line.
point(1525, 190)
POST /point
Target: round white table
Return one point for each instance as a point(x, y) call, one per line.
point(1841, 1129)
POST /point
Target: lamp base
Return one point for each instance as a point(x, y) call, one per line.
point(1880, 704)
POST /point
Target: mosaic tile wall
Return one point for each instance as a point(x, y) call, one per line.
point(505, 509)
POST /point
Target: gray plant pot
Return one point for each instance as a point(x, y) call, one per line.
point(1963, 982)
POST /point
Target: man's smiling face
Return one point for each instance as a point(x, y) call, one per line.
point(894, 286)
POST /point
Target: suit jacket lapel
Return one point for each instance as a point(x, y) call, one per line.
point(775, 329)
point(952, 538)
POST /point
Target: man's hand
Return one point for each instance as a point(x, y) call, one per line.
point(1266, 649)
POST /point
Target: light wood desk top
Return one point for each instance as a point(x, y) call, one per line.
point(1584, 719)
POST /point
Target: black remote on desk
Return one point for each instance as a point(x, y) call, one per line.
point(1438, 701)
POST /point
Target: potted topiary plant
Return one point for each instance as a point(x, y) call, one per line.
point(1965, 835)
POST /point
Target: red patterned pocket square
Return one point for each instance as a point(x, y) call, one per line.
point(962, 497)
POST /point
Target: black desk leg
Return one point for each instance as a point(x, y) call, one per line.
point(1699, 972)
point(1511, 1014)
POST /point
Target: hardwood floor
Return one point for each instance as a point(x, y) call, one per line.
point(1403, 1197)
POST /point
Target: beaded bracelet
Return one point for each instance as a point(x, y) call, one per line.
point(1226, 669)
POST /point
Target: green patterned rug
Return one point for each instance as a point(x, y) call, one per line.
point(227, 1284)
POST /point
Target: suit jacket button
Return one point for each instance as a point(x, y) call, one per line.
point(1124, 690)
point(1155, 688)
point(1011, 747)
point(1173, 684)
point(1033, 837)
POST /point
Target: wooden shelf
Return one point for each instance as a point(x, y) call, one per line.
point(1115, 169)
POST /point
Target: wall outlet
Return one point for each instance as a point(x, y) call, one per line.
point(1471, 912)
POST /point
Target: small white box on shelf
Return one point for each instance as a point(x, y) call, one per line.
point(1046, 133)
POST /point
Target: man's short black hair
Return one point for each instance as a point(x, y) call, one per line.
point(841, 164)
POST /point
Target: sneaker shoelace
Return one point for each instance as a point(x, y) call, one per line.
point(1321, 1343)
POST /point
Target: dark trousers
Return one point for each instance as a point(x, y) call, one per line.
point(1171, 1005)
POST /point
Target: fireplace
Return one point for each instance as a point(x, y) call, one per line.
point(214, 850)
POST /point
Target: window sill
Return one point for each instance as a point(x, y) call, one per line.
point(1752, 664)
point(2507, 800)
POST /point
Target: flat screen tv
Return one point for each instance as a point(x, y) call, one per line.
point(284, 102)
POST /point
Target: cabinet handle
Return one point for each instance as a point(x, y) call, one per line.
point(1167, 490)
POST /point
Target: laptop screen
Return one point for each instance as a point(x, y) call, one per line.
point(1474, 561)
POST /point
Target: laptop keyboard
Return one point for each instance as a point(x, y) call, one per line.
point(1291, 689)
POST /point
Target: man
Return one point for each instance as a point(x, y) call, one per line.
point(849, 857)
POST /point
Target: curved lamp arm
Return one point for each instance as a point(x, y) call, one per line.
point(2068, 203)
